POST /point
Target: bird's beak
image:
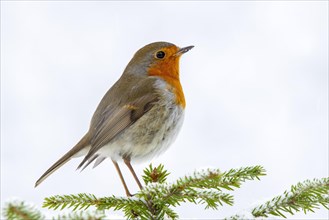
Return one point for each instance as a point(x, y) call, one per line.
point(183, 50)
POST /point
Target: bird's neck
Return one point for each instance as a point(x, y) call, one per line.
point(170, 74)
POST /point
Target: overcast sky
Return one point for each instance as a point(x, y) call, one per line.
point(256, 87)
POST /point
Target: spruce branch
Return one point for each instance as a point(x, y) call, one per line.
point(78, 202)
point(305, 196)
point(234, 177)
point(82, 215)
point(158, 197)
point(208, 187)
point(204, 186)
point(21, 210)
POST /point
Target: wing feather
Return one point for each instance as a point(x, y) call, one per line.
point(114, 120)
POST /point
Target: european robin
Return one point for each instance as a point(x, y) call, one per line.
point(139, 116)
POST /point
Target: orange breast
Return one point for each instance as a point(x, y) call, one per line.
point(169, 71)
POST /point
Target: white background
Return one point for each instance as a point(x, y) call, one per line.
point(256, 86)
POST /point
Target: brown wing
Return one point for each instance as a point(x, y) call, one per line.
point(115, 119)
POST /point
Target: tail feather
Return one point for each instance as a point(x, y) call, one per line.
point(98, 161)
point(84, 142)
point(89, 162)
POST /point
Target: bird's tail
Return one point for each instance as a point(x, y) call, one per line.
point(83, 143)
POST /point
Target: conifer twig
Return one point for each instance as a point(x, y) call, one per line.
point(305, 196)
point(82, 215)
point(157, 198)
point(209, 187)
point(21, 210)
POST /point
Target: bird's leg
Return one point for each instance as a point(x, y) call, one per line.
point(122, 179)
point(127, 162)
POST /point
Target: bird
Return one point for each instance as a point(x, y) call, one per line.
point(139, 117)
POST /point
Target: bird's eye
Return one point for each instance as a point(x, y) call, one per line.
point(160, 54)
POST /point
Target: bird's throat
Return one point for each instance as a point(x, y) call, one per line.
point(169, 71)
